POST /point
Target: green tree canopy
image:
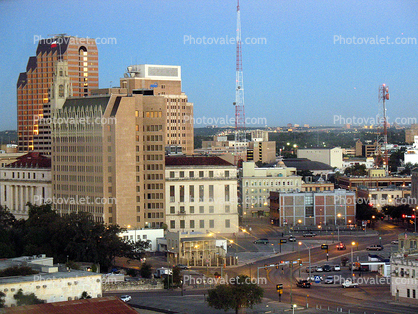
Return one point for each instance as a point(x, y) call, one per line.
point(241, 293)
point(26, 299)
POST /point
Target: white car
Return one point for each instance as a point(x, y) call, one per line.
point(349, 284)
point(319, 269)
point(125, 298)
point(337, 268)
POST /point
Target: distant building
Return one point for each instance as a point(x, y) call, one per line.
point(8, 158)
point(146, 235)
point(365, 150)
point(316, 186)
point(303, 164)
point(352, 183)
point(411, 133)
point(201, 195)
point(411, 154)
point(367, 162)
point(330, 156)
point(257, 183)
point(336, 207)
point(26, 180)
point(51, 284)
point(380, 197)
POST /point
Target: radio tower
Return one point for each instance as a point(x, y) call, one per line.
point(384, 95)
point(240, 134)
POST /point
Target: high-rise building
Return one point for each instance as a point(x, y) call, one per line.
point(67, 63)
point(108, 157)
point(165, 80)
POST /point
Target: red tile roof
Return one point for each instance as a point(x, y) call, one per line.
point(107, 305)
point(31, 160)
point(195, 161)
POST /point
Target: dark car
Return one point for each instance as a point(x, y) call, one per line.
point(326, 268)
point(292, 239)
point(303, 284)
point(261, 241)
point(309, 234)
point(341, 246)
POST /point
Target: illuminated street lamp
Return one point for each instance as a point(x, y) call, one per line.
point(352, 261)
point(309, 252)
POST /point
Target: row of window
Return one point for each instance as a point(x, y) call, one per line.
point(181, 192)
point(182, 209)
point(272, 182)
point(191, 174)
point(192, 225)
point(24, 175)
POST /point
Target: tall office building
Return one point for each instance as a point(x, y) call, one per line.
point(67, 63)
point(165, 80)
point(108, 157)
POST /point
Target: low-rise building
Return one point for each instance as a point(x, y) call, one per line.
point(336, 207)
point(353, 182)
point(330, 156)
point(201, 195)
point(147, 235)
point(403, 279)
point(26, 180)
point(50, 284)
point(257, 183)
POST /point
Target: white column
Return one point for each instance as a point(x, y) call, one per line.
point(16, 199)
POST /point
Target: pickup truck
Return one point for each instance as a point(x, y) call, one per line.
point(349, 284)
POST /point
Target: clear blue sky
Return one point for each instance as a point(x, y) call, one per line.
point(299, 75)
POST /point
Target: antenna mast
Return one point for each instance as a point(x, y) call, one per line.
point(240, 133)
point(384, 95)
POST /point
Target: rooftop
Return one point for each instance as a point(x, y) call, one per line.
point(31, 160)
point(196, 161)
point(306, 164)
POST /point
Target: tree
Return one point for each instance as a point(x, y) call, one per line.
point(85, 295)
point(241, 293)
point(173, 280)
point(356, 170)
point(26, 299)
point(145, 271)
point(2, 296)
point(17, 271)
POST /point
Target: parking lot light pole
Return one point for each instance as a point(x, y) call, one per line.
point(309, 252)
point(415, 219)
point(352, 260)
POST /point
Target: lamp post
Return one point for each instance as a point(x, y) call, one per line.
point(352, 260)
point(309, 252)
point(415, 220)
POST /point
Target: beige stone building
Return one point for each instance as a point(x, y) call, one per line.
point(330, 156)
point(201, 195)
point(165, 81)
point(257, 183)
point(108, 157)
point(411, 133)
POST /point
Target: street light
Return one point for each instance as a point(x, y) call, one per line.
point(415, 220)
point(293, 307)
point(352, 267)
point(309, 252)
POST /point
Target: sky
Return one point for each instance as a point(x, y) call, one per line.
point(310, 62)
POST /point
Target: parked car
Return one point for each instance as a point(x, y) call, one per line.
point(374, 247)
point(309, 234)
point(182, 266)
point(336, 267)
point(341, 246)
point(303, 284)
point(292, 239)
point(261, 241)
point(329, 280)
point(326, 268)
point(349, 284)
point(312, 268)
point(319, 269)
point(395, 242)
point(125, 298)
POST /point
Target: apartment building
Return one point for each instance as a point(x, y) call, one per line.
point(28, 179)
point(201, 195)
point(79, 56)
point(336, 207)
point(165, 81)
point(257, 183)
point(108, 157)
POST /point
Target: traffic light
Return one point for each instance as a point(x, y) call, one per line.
point(277, 266)
point(265, 266)
point(279, 288)
point(403, 216)
point(300, 262)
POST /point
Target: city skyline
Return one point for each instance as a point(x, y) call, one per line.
point(298, 59)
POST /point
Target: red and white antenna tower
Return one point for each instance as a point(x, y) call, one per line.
point(384, 95)
point(240, 132)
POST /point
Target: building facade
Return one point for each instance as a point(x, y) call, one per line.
point(330, 156)
point(336, 207)
point(27, 180)
point(165, 81)
point(34, 85)
point(108, 156)
point(147, 235)
point(257, 183)
point(201, 195)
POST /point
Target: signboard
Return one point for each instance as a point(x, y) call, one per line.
point(283, 240)
point(324, 247)
point(317, 279)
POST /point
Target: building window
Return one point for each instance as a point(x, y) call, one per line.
point(181, 174)
point(227, 209)
point(200, 174)
point(210, 174)
point(413, 294)
point(227, 223)
point(211, 193)
point(191, 224)
point(408, 293)
point(211, 223)
point(191, 174)
point(211, 209)
point(201, 209)
point(227, 193)
point(191, 193)
point(171, 174)
point(61, 91)
point(227, 174)
point(182, 210)
point(191, 209)
point(182, 193)
point(201, 224)
point(172, 224)
point(172, 194)
point(172, 210)
point(182, 224)
point(201, 193)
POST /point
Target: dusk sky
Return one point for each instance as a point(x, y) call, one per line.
point(297, 74)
